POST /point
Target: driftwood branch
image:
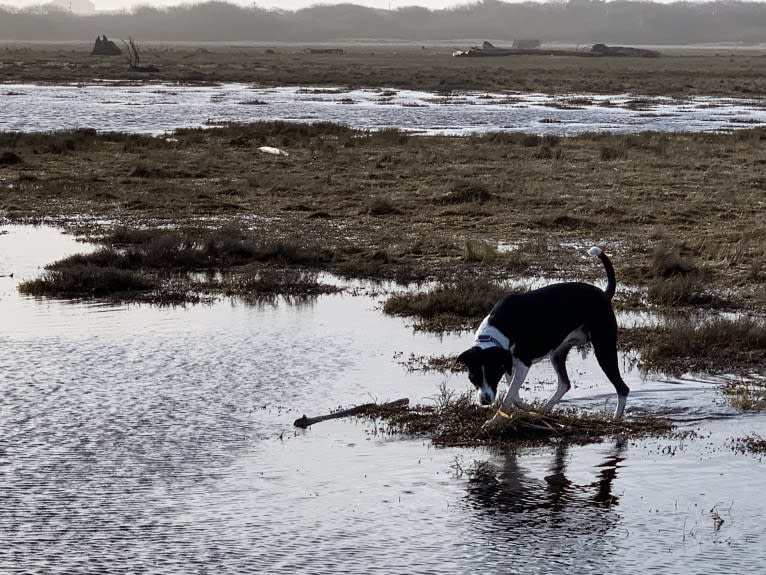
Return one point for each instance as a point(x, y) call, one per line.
point(304, 422)
point(134, 58)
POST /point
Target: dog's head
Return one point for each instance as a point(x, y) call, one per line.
point(485, 368)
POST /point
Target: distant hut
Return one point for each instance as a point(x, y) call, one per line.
point(105, 47)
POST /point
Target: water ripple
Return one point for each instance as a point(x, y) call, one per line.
point(157, 109)
point(151, 440)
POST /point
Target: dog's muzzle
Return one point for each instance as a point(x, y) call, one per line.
point(486, 395)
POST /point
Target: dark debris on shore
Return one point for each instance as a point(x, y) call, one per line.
point(458, 423)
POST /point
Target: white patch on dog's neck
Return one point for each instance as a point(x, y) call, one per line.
point(489, 336)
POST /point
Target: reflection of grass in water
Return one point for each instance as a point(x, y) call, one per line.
point(755, 443)
point(750, 444)
point(267, 285)
point(456, 421)
point(437, 363)
point(747, 396)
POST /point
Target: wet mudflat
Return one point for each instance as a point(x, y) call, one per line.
point(160, 440)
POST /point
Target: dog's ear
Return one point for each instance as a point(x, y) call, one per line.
point(468, 355)
point(497, 355)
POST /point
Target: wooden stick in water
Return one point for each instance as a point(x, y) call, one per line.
point(304, 422)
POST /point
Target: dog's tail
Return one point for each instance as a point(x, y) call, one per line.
point(611, 285)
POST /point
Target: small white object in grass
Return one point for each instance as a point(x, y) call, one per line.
point(595, 251)
point(272, 150)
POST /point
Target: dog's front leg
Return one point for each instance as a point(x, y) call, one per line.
point(520, 370)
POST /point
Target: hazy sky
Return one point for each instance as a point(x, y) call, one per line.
point(284, 4)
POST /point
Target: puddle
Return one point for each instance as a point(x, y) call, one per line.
point(159, 440)
point(160, 108)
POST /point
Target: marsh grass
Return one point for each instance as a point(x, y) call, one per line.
point(193, 250)
point(87, 280)
point(433, 363)
point(717, 345)
point(674, 280)
point(612, 153)
point(134, 260)
point(688, 290)
point(453, 306)
point(667, 261)
point(480, 251)
point(698, 193)
point(745, 396)
point(465, 192)
point(402, 66)
point(455, 420)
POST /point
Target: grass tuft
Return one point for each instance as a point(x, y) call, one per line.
point(465, 192)
point(681, 290)
point(716, 345)
point(612, 153)
point(9, 159)
point(480, 251)
point(86, 280)
point(667, 261)
point(453, 306)
point(379, 206)
point(456, 421)
point(747, 396)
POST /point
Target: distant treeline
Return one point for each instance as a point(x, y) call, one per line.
point(576, 21)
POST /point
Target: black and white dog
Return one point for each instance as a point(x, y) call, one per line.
point(524, 328)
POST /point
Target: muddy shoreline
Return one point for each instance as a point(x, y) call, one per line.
point(711, 71)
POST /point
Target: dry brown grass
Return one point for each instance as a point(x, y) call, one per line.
point(359, 195)
point(376, 200)
point(712, 72)
point(456, 421)
point(447, 307)
point(706, 344)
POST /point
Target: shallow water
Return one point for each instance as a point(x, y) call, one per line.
point(136, 439)
point(160, 108)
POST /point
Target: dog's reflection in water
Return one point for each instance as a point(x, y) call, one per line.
point(512, 492)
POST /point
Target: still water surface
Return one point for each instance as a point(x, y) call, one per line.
point(137, 439)
point(160, 108)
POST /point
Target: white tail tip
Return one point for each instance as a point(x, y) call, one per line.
point(595, 251)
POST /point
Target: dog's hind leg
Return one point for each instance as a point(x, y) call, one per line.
point(606, 354)
point(559, 359)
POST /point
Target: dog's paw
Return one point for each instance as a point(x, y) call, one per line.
point(522, 405)
point(492, 426)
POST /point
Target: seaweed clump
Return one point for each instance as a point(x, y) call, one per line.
point(458, 422)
